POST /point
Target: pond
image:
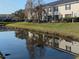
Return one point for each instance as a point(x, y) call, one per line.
point(20, 45)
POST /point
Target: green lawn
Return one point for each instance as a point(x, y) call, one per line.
point(5, 23)
point(71, 29)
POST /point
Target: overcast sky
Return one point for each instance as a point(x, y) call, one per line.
point(9, 6)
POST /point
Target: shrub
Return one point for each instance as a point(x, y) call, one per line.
point(70, 19)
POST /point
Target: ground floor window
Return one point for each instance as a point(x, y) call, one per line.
point(68, 48)
point(68, 15)
point(56, 17)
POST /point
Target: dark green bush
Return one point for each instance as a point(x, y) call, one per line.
point(70, 19)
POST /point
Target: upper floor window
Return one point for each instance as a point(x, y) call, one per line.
point(56, 8)
point(45, 10)
point(68, 7)
point(50, 10)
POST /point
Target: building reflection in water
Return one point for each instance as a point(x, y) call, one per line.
point(36, 41)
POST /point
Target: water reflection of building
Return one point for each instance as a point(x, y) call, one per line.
point(72, 46)
point(36, 39)
point(66, 45)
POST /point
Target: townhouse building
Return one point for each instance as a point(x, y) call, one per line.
point(62, 9)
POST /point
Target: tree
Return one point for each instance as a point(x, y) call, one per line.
point(28, 9)
point(34, 9)
point(38, 13)
point(38, 10)
point(19, 14)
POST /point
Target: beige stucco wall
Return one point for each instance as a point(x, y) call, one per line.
point(74, 45)
point(74, 9)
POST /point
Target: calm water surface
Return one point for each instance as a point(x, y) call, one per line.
point(21, 49)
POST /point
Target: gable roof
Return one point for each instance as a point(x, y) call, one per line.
point(60, 2)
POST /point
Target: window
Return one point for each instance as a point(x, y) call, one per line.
point(68, 15)
point(68, 7)
point(56, 8)
point(46, 10)
point(50, 10)
point(68, 48)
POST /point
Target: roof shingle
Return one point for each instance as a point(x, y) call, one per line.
point(59, 2)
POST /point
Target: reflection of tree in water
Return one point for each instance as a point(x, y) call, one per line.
point(21, 34)
point(1, 56)
point(35, 47)
point(34, 51)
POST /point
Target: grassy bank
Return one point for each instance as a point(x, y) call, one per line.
point(5, 23)
point(67, 29)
